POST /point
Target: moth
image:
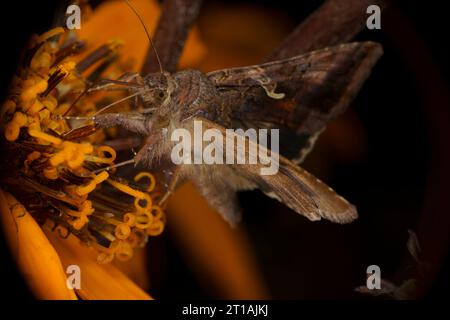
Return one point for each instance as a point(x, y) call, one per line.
point(298, 96)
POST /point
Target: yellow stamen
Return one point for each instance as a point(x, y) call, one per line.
point(51, 173)
point(51, 33)
point(44, 115)
point(44, 136)
point(124, 252)
point(12, 129)
point(12, 132)
point(157, 212)
point(43, 60)
point(122, 231)
point(79, 223)
point(104, 258)
point(72, 153)
point(50, 102)
point(156, 228)
point(148, 203)
point(112, 153)
point(90, 186)
point(129, 219)
point(127, 189)
point(31, 92)
point(20, 119)
point(148, 175)
point(32, 156)
point(8, 108)
point(35, 107)
point(143, 220)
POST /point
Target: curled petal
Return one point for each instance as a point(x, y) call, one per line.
point(98, 281)
point(34, 254)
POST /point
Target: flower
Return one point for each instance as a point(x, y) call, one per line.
point(41, 251)
point(64, 178)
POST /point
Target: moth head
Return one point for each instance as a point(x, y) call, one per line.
point(158, 90)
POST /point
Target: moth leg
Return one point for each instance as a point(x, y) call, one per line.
point(171, 173)
point(134, 122)
point(219, 194)
point(173, 177)
point(153, 154)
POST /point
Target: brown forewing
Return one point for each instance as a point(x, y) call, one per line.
point(317, 86)
point(292, 185)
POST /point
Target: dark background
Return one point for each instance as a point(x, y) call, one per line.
point(398, 184)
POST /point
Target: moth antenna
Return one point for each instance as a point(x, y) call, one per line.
point(117, 102)
point(108, 168)
point(147, 33)
point(63, 117)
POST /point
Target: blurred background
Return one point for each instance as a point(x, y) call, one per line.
point(388, 155)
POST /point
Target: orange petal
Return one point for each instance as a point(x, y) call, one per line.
point(35, 256)
point(135, 268)
point(194, 51)
point(98, 281)
point(216, 250)
point(115, 20)
point(245, 41)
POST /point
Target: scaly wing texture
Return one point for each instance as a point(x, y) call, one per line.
point(291, 185)
point(316, 87)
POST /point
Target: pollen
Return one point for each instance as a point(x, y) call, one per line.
point(62, 172)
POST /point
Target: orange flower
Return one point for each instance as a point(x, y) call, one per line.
point(63, 187)
point(43, 261)
point(65, 178)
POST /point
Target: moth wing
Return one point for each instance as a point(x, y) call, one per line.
point(219, 193)
point(291, 185)
point(297, 95)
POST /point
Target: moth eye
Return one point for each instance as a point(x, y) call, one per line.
point(161, 94)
